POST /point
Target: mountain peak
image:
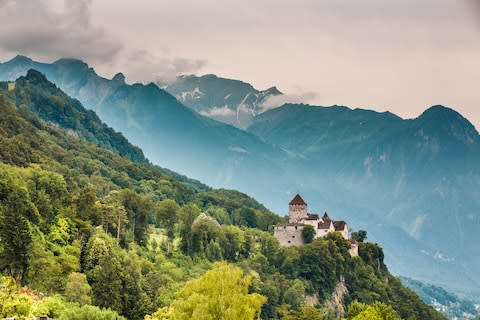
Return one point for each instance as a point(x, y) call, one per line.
point(36, 76)
point(71, 62)
point(20, 59)
point(273, 91)
point(442, 114)
point(448, 123)
point(119, 78)
point(438, 110)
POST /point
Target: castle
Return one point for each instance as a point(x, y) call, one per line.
point(298, 217)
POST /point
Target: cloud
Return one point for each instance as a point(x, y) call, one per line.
point(36, 28)
point(276, 101)
point(53, 29)
point(219, 112)
point(475, 10)
point(162, 68)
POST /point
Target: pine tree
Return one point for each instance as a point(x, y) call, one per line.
point(15, 236)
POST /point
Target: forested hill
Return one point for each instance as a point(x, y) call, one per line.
point(87, 233)
point(42, 97)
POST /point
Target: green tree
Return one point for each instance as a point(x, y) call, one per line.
point(308, 233)
point(376, 311)
point(187, 216)
point(15, 236)
point(77, 289)
point(138, 209)
point(167, 216)
point(221, 293)
point(245, 217)
point(304, 313)
point(295, 295)
point(12, 302)
point(89, 313)
point(360, 235)
point(232, 242)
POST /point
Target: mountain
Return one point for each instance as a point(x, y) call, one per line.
point(403, 180)
point(226, 100)
point(44, 98)
point(443, 301)
point(419, 175)
point(87, 233)
point(170, 134)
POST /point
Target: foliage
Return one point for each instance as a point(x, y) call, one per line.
point(222, 293)
point(308, 233)
point(305, 313)
point(77, 227)
point(88, 313)
point(359, 236)
point(376, 311)
point(77, 289)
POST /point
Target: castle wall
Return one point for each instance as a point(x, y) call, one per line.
point(289, 235)
point(297, 212)
point(324, 232)
point(344, 232)
point(353, 250)
point(312, 223)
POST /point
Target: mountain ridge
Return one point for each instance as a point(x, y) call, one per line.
point(230, 101)
point(374, 169)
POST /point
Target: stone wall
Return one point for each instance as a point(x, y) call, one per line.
point(289, 235)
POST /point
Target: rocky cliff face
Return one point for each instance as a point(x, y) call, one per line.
point(226, 100)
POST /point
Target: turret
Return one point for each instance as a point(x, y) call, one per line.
point(297, 209)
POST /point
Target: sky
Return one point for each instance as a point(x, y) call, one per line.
point(396, 55)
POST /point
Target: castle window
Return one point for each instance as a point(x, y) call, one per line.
point(296, 227)
point(289, 241)
point(293, 236)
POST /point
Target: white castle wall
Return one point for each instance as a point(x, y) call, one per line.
point(289, 235)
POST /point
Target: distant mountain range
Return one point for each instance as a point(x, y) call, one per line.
point(414, 184)
point(450, 305)
point(420, 175)
point(226, 100)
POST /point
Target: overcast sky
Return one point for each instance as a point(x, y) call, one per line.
point(397, 55)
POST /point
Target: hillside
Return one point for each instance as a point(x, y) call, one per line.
point(403, 180)
point(447, 303)
point(170, 134)
point(80, 225)
point(420, 175)
point(226, 100)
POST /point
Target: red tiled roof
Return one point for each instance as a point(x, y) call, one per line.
point(339, 225)
point(324, 224)
point(297, 200)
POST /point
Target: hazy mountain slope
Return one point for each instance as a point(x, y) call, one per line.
point(421, 175)
point(169, 133)
point(447, 303)
point(42, 97)
point(230, 101)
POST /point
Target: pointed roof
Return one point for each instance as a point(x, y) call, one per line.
point(297, 200)
point(325, 217)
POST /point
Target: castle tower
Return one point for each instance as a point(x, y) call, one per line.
point(297, 209)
